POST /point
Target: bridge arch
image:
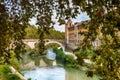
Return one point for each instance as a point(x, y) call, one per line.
point(32, 42)
point(50, 42)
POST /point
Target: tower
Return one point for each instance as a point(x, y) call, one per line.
point(67, 25)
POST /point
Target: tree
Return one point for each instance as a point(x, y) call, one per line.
point(15, 14)
point(12, 24)
point(54, 34)
point(104, 25)
point(105, 19)
point(31, 32)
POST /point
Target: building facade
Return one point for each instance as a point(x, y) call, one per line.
point(72, 32)
point(73, 36)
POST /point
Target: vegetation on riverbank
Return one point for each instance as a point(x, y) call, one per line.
point(32, 33)
point(104, 26)
point(67, 60)
point(6, 74)
point(5, 71)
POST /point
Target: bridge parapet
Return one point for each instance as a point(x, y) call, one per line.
point(31, 42)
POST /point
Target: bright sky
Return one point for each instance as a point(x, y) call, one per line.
point(81, 17)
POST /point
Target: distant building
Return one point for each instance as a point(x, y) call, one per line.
point(72, 32)
point(73, 36)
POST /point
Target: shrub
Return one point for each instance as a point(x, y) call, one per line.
point(60, 56)
point(6, 74)
point(14, 61)
point(71, 62)
point(47, 61)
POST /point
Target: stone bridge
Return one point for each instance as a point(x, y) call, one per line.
point(32, 42)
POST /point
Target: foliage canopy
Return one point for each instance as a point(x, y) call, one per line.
point(32, 33)
point(105, 21)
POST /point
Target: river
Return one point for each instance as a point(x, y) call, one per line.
point(57, 73)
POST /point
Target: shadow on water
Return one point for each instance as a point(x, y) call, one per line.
point(35, 60)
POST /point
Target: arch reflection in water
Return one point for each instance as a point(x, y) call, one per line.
point(50, 54)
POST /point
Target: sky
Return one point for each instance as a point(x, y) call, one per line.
point(79, 18)
point(82, 17)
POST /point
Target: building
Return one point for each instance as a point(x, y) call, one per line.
point(73, 36)
point(72, 32)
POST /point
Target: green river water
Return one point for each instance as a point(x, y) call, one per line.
point(57, 73)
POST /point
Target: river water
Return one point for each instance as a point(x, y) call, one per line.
point(57, 73)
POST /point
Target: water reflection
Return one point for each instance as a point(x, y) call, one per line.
point(74, 74)
point(57, 73)
point(50, 54)
point(46, 74)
